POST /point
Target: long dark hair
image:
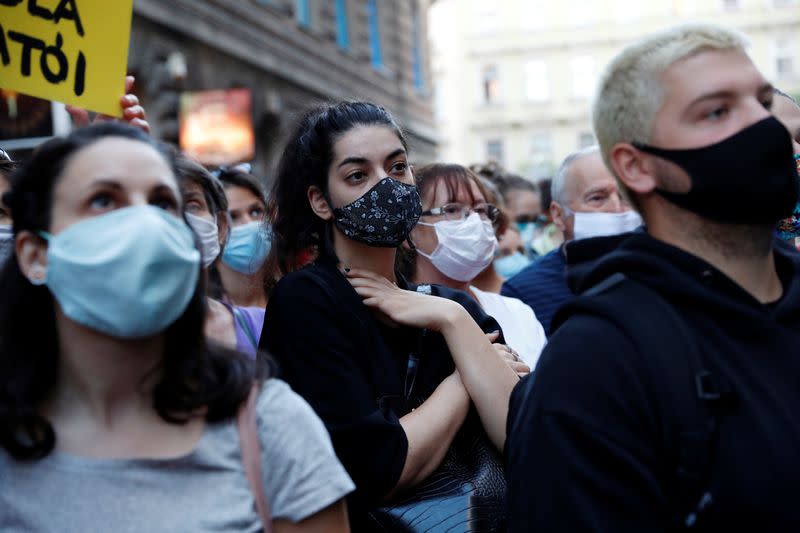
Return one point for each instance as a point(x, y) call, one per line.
point(192, 374)
point(305, 163)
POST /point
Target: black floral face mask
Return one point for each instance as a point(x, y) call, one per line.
point(383, 216)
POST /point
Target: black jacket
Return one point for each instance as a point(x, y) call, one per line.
point(352, 369)
point(590, 445)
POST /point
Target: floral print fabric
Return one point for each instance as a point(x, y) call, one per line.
point(383, 216)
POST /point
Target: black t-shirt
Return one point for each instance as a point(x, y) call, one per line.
point(354, 370)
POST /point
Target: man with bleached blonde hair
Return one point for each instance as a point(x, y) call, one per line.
point(668, 396)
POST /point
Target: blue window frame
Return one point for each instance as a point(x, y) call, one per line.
point(342, 34)
point(374, 34)
point(303, 13)
point(416, 49)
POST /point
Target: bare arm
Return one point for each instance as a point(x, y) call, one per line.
point(487, 377)
point(331, 519)
point(430, 430)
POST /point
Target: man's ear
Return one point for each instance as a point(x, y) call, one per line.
point(319, 204)
point(31, 253)
point(632, 168)
point(558, 216)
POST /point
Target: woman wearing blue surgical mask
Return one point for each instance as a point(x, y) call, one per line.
point(110, 393)
point(454, 242)
point(391, 369)
point(206, 209)
point(249, 241)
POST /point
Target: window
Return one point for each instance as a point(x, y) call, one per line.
point(586, 139)
point(490, 85)
point(540, 160)
point(731, 5)
point(486, 15)
point(303, 13)
point(416, 48)
point(785, 60)
point(537, 85)
point(582, 77)
point(342, 32)
point(373, 22)
point(494, 150)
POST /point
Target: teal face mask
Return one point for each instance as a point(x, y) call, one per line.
point(247, 248)
point(129, 273)
point(789, 228)
point(510, 265)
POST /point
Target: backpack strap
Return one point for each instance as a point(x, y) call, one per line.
point(251, 455)
point(245, 325)
point(694, 395)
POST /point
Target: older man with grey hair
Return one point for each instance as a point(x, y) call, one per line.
point(668, 397)
point(586, 203)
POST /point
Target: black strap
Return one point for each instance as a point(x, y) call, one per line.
point(692, 395)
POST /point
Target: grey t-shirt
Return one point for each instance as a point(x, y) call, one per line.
point(205, 490)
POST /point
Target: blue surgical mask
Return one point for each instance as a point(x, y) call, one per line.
point(129, 273)
point(510, 265)
point(247, 248)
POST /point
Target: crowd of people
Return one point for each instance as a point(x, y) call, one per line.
point(378, 346)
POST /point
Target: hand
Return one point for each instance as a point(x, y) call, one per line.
point(133, 113)
point(509, 355)
point(403, 307)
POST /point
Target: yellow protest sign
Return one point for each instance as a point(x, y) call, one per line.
point(71, 51)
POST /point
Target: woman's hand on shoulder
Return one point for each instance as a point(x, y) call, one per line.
point(404, 307)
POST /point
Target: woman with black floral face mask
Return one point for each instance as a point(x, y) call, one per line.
point(390, 369)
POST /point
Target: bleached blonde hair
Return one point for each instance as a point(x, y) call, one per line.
point(630, 91)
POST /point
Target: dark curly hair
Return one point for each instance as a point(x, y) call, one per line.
point(305, 163)
point(192, 374)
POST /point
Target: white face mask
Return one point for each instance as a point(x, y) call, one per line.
point(466, 247)
point(588, 225)
point(209, 237)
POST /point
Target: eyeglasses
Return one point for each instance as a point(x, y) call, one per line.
point(4, 156)
point(457, 211)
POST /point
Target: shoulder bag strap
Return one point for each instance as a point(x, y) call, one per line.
point(251, 455)
point(239, 316)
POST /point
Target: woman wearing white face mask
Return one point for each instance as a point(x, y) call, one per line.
point(455, 241)
point(206, 209)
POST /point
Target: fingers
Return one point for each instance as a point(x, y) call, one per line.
point(493, 336)
point(80, 116)
point(129, 81)
point(141, 124)
point(129, 100)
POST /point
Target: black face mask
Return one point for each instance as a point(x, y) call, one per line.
point(748, 178)
point(384, 216)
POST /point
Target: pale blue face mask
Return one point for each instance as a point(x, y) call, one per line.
point(510, 265)
point(247, 248)
point(129, 273)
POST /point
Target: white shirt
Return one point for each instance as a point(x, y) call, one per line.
point(522, 331)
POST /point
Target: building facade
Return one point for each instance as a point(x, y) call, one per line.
point(290, 54)
point(514, 78)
